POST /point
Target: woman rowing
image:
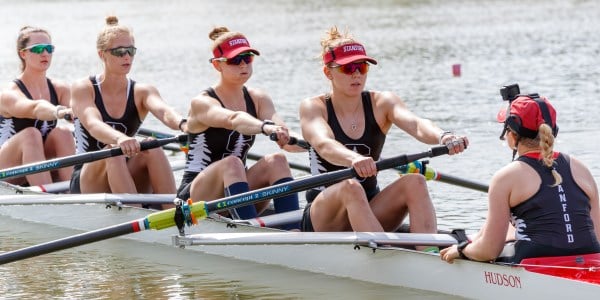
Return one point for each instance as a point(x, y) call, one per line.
point(110, 108)
point(550, 198)
point(347, 127)
point(28, 127)
point(223, 122)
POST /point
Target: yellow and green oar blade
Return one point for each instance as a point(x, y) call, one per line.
point(431, 174)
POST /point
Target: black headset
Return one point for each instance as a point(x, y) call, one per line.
point(515, 122)
point(510, 93)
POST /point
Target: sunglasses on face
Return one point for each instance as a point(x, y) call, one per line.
point(236, 60)
point(121, 51)
point(349, 69)
point(39, 48)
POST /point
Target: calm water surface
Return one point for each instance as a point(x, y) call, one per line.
point(550, 47)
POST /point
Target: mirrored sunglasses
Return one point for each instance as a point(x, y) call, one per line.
point(350, 68)
point(247, 57)
point(121, 51)
point(39, 48)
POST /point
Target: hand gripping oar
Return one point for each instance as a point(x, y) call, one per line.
point(200, 210)
point(76, 159)
point(293, 141)
point(431, 174)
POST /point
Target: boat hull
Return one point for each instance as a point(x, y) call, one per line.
point(389, 266)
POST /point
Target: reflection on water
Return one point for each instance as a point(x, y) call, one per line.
point(551, 47)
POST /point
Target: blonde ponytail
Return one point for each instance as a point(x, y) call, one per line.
point(547, 145)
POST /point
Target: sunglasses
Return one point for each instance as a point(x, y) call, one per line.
point(350, 68)
point(247, 57)
point(121, 51)
point(39, 48)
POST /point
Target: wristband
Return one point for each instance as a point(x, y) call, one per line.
point(445, 133)
point(58, 109)
point(461, 246)
point(266, 122)
point(183, 120)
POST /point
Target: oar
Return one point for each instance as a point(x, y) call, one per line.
point(293, 141)
point(76, 159)
point(431, 174)
point(302, 238)
point(154, 133)
point(96, 198)
point(200, 210)
point(292, 165)
point(301, 143)
point(273, 137)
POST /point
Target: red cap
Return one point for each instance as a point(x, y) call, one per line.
point(232, 47)
point(347, 53)
point(529, 113)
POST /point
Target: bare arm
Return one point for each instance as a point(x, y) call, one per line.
point(15, 104)
point(424, 130)
point(266, 111)
point(154, 103)
point(206, 111)
point(84, 108)
point(492, 235)
point(318, 134)
point(489, 242)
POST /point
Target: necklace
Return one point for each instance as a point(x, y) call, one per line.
point(354, 124)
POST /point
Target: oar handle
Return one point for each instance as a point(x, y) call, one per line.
point(293, 141)
point(405, 159)
point(150, 144)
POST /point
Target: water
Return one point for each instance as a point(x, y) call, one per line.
point(550, 47)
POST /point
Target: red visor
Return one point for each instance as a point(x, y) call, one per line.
point(347, 53)
point(232, 47)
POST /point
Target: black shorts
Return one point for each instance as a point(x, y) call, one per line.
point(306, 224)
point(74, 185)
point(183, 192)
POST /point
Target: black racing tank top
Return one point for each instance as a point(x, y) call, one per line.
point(213, 144)
point(555, 217)
point(369, 144)
point(11, 126)
point(128, 123)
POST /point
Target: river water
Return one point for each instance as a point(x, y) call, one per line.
point(549, 47)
